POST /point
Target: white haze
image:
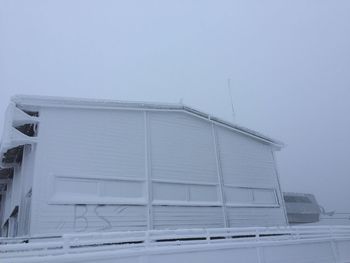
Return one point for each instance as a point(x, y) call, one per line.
point(289, 64)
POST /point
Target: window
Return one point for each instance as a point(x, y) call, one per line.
point(75, 190)
point(239, 195)
point(264, 196)
point(182, 193)
point(245, 196)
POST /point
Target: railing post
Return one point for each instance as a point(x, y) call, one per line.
point(207, 236)
point(66, 245)
point(335, 251)
point(257, 235)
point(147, 241)
point(258, 249)
point(297, 233)
point(334, 245)
point(258, 254)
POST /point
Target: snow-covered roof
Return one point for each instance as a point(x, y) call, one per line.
point(29, 101)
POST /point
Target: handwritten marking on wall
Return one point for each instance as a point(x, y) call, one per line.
point(97, 217)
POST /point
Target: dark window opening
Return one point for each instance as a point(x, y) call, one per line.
point(14, 155)
point(5, 229)
point(13, 223)
point(6, 173)
point(31, 113)
point(3, 188)
point(28, 129)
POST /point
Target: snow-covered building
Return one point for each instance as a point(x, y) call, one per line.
point(78, 165)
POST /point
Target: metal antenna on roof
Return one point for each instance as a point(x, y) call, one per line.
point(232, 106)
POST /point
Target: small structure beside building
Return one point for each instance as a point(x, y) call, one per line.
point(301, 208)
point(78, 165)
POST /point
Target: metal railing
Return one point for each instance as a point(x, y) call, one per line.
point(102, 241)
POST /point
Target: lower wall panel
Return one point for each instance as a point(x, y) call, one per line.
point(172, 217)
point(246, 255)
point(90, 218)
point(343, 250)
point(320, 252)
point(244, 217)
point(56, 219)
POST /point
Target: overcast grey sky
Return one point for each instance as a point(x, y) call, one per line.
point(289, 64)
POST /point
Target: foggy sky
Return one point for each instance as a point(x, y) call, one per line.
point(289, 64)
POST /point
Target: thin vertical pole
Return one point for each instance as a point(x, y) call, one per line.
point(259, 254)
point(334, 246)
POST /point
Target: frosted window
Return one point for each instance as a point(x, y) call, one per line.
point(123, 189)
point(242, 196)
point(264, 196)
point(73, 186)
point(237, 195)
point(71, 190)
point(170, 192)
point(203, 193)
point(184, 193)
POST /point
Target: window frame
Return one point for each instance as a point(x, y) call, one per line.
point(188, 202)
point(253, 204)
point(98, 198)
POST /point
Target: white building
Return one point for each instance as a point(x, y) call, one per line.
point(72, 165)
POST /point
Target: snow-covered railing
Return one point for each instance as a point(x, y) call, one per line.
point(103, 241)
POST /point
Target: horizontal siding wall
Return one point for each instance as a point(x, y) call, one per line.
point(95, 168)
point(244, 161)
point(82, 154)
point(250, 182)
point(172, 217)
point(181, 148)
point(93, 142)
point(183, 170)
point(255, 216)
point(91, 218)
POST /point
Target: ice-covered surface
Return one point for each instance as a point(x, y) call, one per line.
point(11, 137)
point(283, 244)
point(5, 142)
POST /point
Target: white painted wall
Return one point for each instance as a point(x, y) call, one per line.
point(84, 156)
point(112, 170)
point(250, 181)
point(183, 172)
